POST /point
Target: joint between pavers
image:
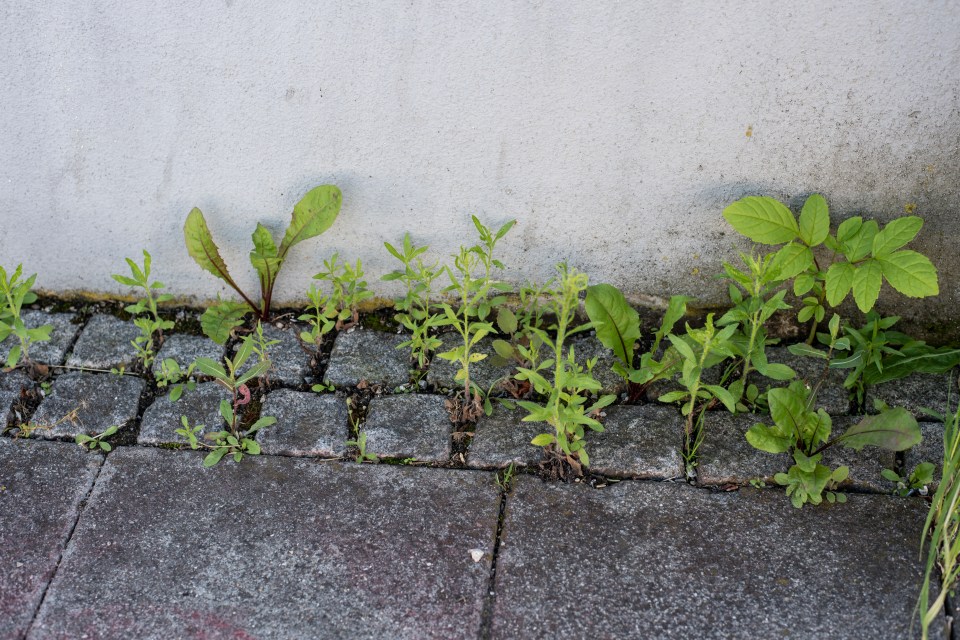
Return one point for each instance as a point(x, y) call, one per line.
point(490, 597)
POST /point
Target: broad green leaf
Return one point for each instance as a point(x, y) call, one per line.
point(264, 256)
point(769, 439)
point(806, 463)
point(506, 320)
point(210, 368)
point(814, 220)
point(860, 243)
point(682, 348)
point(775, 371)
point(264, 421)
point(910, 273)
point(762, 219)
point(214, 456)
point(866, 284)
point(896, 430)
point(787, 409)
point(217, 321)
point(255, 371)
point(896, 234)
point(313, 215)
point(793, 259)
point(839, 281)
point(543, 440)
point(202, 248)
point(503, 348)
point(723, 396)
point(802, 284)
point(849, 228)
point(934, 361)
point(618, 325)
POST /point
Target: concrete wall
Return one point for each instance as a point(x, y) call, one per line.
point(615, 132)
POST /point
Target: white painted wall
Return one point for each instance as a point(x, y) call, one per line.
point(615, 132)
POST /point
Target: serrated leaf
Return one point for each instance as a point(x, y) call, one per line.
point(910, 273)
point(506, 321)
point(860, 243)
point(896, 234)
point(769, 439)
point(895, 430)
point(814, 220)
point(866, 284)
point(839, 281)
point(202, 248)
point(618, 325)
point(792, 259)
point(217, 321)
point(764, 220)
point(313, 215)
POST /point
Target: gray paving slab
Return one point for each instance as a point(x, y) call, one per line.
point(168, 549)
point(930, 449)
point(98, 400)
point(105, 342)
point(865, 465)
point(291, 363)
point(185, 348)
point(12, 385)
point(663, 560)
point(409, 426)
point(638, 441)
point(61, 337)
point(832, 398)
point(502, 439)
point(725, 456)
point(916, 391)
point(364, 354)
point(308, 424)
point(201, 406)
point(485, 373)
point(42, 485)
point(586, 346)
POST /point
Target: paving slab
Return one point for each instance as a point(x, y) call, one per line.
point(291, 363)
point(833, 397)
point(930, 449)
point(664, 560)
point(915, 392)
point(99, 400)
point(12, 385)
point(638, 441)
point(586, 346)
point(201, 406)
point(168, 549)
point(409, 426)
point(42, 485)
point(725, 456)
point(364, 354)
point(104, 343)
point(308, 424)
point(485, 373)
point(503, 438)
point(185, 348)
point(61, 337)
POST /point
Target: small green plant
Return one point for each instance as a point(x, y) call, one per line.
point(313, 215)
point(146, 315)
point(97, 441)
point(471, 286)
point(569, 384)
point(171, 375)
point(916, 482)
point(520, 345)
point(504, 479)
point(16, 293)
point(867, 254)
point(416, 309)
point(361, 445)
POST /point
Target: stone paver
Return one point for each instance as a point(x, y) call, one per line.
point(930, 449)
point(661, 560)
point(41, 487)
point(502, 439)
point(916, 391)
point(832, 398)
point(201, 406)
point(865, 465)
point(185, 348)
point(587, 346)
point(365, 354)
point(168, 549)
point(726, 457)
point(484, 373)
point(291, 362)
point(409, 426)
point(105, 342)
point(100, 401)
point(12, 385)
point(307, 424)
point(54, 350)
point(638, 441)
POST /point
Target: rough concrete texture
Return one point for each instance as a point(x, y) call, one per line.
point(104, 343)
point(502, 439)
point(915, 392)
point(291, 363)
point(54, 350)
point(930, 449)
point(725, 456)
point(307, 424)
point(660, 560)
point(409, 426)
point(338, 551)
point(485, 373)
point(364, 354)
point(41, 487)
point(586, 346)
point(638, 441)
point(865, 465)
point(12, 386)
point(201, 406)
point(99, 400)
point(833, 397)
point(184, 349)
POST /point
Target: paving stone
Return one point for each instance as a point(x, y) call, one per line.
point(61, 337)
point(726, 457)
point(201, 406)
point(586, 346)
point(100, 400)
point(865, 465)
point(484, 373)
point(307, 424)
point(41, 487)
point(291, 364)
point(662, 560)
point(930, 449)
point(502, 439)
point(169, 549)
point(185, 348)
point(105, 343)
point(916, 391)
point(409, 426)
point(833, 397)
point(365, 354)
point(12, 385)
point(638, 441)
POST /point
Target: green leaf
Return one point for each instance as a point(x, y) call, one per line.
point(264, 256)
point(793, 259)
point(255, 371)
point(313, 215)
point(219, 320)
point(849, 228)
point(895, 430)
point(723, 396)
point(866, 284)
point(618, 324)
point(211, 368)
point(803, 349)
point(682, 348)
point(775, 370)
point(814, 220)
point(214, 456)
point(896, 234)
point(910, 273)
point(934, 361)
point(543, 440)
point(839, 281)
point(860, 243)
point(202, 248)
point(769, 439)
point(226, 411)
point(787, 408)
point(503, 348)
point(506, 321)
point(762, 219)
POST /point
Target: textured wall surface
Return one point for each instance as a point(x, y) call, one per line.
point(615, 132)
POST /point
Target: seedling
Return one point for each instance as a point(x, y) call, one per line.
point(97, 441)
point(313, 215)
point(145, 314)
point(177, 379)
point(16, 293)
point(916, 482)
point(417, 311)
point(339, 310)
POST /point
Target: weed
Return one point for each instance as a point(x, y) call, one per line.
point(416, 308)
point(97, 441)
point(361, 444)
point(145, 314)
point(916, 482)
point(170, 374)
point(16, 293)
point(340, 309)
